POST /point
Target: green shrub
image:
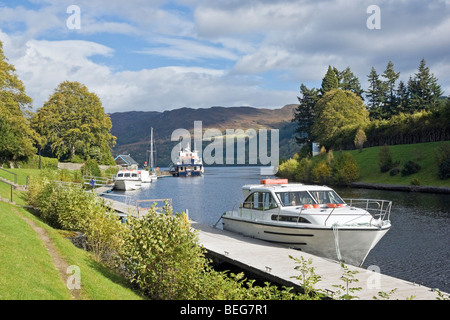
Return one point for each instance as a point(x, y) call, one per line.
point(345, 169)
point(288, 169)
point(91, 168)
point(415, 182)
point(410, 167)
point(444, 169)
point(33, 163)
point(162, 256)
point(385, 160)
point(69, 207)
point(394, 172)
point(304, 170)
point(443, 161)
point(321, 172)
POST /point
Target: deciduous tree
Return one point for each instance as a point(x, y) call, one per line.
point(337, 110)
point(74, 123)
point(17, 138)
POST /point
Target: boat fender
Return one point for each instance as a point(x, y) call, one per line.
point(310, 206)
point(335, 205)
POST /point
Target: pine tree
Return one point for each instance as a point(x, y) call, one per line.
point(390, 100)
point(348, 81)
point(304, 115)
point(330, 81)
point(402, 98)
point(375, 95)
point(424, 89)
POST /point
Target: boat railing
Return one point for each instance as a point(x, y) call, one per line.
point(379, 209)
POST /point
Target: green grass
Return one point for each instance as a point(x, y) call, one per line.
point(422, 153)
point(27, 270)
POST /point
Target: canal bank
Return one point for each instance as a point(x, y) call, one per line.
point(404, 188)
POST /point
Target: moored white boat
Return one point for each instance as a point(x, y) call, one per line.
point(314, 219)
point(127, 180)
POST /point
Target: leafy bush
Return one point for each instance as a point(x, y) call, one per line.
point(288, 169)
point(394, 172)
point(443, 160)
point(33, 163)
point(69, 207)
point(385, 160)
point(415, 182)
point(162, 256)
point(304, 170)
point(410, 167)
point(345, 169)
point(91, 168)
point(444, 169)
point(321, 172)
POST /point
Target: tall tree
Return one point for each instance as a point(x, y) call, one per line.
point(424, 89)
point(390, 100)
point(15, 133)
point(330, 81)
point(73, 123)
point(304, 114)
point(375, 95)
point(402, 98)
point(348, 81)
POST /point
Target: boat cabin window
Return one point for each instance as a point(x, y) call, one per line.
point(134, 175)
point(260, 201)
point(127, 175)
point(120, 175)
point(327, 196)
point(297, 219)
point(295, 198)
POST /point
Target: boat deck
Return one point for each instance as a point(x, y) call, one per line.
point(272, 262)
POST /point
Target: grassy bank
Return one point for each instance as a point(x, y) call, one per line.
point(28, 271)
point(421, 153)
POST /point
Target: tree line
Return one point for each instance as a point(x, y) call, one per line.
point(341, 115)
point(71, 125)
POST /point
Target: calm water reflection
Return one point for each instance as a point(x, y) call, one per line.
point(415, 249)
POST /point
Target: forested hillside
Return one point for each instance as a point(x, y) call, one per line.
point(132, 129)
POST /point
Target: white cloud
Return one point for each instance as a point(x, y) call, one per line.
point(187, 50)
point(227, 52)
point(42, 65)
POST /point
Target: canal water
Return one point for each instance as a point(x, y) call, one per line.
point(417, 248)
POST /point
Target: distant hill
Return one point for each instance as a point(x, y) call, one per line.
point(132, 129)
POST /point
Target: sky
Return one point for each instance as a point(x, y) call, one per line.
point(156, 55)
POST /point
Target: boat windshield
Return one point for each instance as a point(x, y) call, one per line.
point(295, 198)
point(298, 198)
point(326, 196)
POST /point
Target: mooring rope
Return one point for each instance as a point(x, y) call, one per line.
point(336, 241)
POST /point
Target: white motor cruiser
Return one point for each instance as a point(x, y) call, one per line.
point(314, 219)
point(127, 180)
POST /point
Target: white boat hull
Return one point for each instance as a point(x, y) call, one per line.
point(127, 185)
point(350, 245)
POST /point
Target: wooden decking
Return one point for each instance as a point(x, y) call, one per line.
point(272, 262)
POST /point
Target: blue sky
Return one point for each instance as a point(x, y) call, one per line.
point(158, 55)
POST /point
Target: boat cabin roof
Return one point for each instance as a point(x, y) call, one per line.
point(288, 187)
